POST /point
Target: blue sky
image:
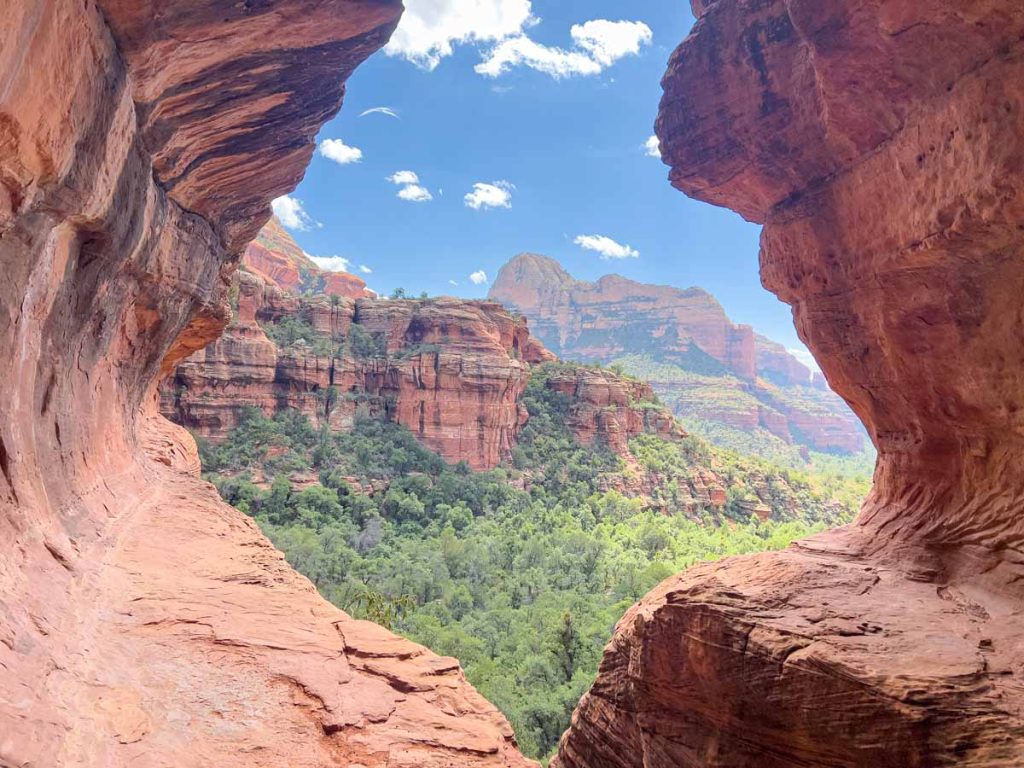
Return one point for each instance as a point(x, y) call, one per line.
point(554, 119)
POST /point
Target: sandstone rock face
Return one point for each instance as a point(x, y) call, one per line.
point(746, 381)
point(277, 258)
point(143, 621)
point(615, 316)
point(451, 371)
point(888, 178)
point(611, 410)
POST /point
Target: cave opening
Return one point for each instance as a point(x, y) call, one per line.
point(304, 462)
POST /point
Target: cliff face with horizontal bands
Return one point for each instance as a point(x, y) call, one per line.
point(880, 143)
point(745, 381)
point(451, 371)
point(614, 316)
point(279, 260)
point(143, 621)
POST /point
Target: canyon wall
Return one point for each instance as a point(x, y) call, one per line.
point(452, 371)
point(615, 316)
point(143, 621)
point(704, 366)
point(882, 146)
point(279, 260)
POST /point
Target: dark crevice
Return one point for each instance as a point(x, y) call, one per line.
point(5, 468)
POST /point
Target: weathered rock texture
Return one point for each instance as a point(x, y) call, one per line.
point(882, 145)
point(615, 316)
point(277, 258)
point(451, 371)
point(611, 410)
point(142, 621)
point(746, 382)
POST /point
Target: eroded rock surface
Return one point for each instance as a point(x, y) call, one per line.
point(703, 365)
point(881, 145)
point(611, 410)
point(277, 258)
point(615, 316)
point(142, 621)
point(452, 371)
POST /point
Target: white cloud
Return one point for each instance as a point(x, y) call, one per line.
point(523, 52)
point(380, 111)
point(606, 247)
point(453, 282)
point(478, 278)
point(404, 177)
point(497, 194)
point(652, 147)
point(597, 45)
point(608, 41)
point(340, 152)
point(365, 269)
point(414, 193)
point(411, 189)
point(332, 263)
point(429, 28)
point(290, 213)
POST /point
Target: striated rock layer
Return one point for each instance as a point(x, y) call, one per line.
point(142, 621)
point(882, 146)
point(279, 260)
point(732, 377)
point(615, 316)
point(451, 371)
point(611, 410)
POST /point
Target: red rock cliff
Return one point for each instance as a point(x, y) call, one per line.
point(609, 409)
point(142, 621)
point(882, 146)
point(451, 371)
point(615, 316)
point(277, 258)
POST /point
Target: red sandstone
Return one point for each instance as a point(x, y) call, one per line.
point(142, 620)
point(881, 145)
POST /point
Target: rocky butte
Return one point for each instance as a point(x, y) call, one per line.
point(142, 620)
point(452, 371)
point(279, 260)
point(702, 364)
point(880, 144)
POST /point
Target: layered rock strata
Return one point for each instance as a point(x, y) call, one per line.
point(881, 145)
point(143, 621)
point(611, 410)
point(277, 258)
point(615, 316)
point(705, 367)
point(451, 371)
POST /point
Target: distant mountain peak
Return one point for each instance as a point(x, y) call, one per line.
point(577, 317)
point(684, 329)
point(279, 260)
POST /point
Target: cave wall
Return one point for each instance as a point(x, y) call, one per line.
point(881, 144)
point(142, 621)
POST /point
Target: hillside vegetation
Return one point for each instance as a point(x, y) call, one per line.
point(520, 572)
